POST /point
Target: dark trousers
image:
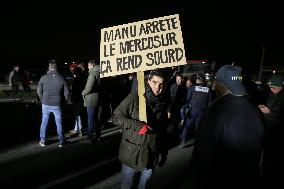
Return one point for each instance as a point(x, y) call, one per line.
point(93, 122)
point(191, 124)
point(15, 89)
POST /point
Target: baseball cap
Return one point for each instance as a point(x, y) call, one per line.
point(230, 76)
point(276, 81)
point(73, 66)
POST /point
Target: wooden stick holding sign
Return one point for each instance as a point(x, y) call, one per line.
point(142, 100)
point(140, 46)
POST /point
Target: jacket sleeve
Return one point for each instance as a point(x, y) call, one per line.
point(189, 95)
point(275, 111)
point(89, 85)
point(66, 91)
point(10, 77)
point(122, 115)
point(40, 89)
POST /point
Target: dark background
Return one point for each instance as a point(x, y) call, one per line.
point(226, 32)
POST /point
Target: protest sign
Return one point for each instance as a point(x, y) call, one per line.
point(141, 46)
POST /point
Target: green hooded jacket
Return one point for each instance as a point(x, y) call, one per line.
point(137, 151)
point(91, 92)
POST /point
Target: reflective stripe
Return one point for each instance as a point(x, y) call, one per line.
point(201, 89)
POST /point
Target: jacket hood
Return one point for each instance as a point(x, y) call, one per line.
point(52, 71)
point(94, 69)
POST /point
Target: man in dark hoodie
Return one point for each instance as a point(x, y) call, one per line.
point(53, 92)
point(229, 138)
point(143, 145)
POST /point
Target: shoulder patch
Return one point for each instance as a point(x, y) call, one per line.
point(201, 89)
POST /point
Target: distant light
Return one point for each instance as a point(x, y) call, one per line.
point(73, 62)
point(274, 71)
point(203, 62)
point(65, 63)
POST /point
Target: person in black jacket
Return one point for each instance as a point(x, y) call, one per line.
point(53, 92)
point(78, 85)
point(273, 111)
point(143, 145)
point(178, 93)
point(229, 139)
point(14, 80)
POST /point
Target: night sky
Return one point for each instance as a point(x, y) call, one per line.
point(228, 32)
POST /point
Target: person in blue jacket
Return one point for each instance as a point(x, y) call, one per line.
point(198, 98)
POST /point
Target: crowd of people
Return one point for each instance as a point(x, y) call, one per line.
point(236, 140)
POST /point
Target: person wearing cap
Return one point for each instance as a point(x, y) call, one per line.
point(72, 67)
point(228, 142)
point(274, 101)
point(198, 98)
point(273, 111)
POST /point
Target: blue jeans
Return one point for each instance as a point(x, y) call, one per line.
point(78, 124)
point(129, 175)
point(56, 110)
point(93, 122)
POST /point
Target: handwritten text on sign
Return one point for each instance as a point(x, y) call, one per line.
point(140, 46)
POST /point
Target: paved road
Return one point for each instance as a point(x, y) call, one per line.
point(20, 123)
point(33, 166)
point(80, 165)
point(174, 174)
point(5, 86)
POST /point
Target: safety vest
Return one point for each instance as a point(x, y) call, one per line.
point(200, 97)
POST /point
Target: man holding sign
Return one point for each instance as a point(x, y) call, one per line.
point(137, 47)
point(143, 145)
